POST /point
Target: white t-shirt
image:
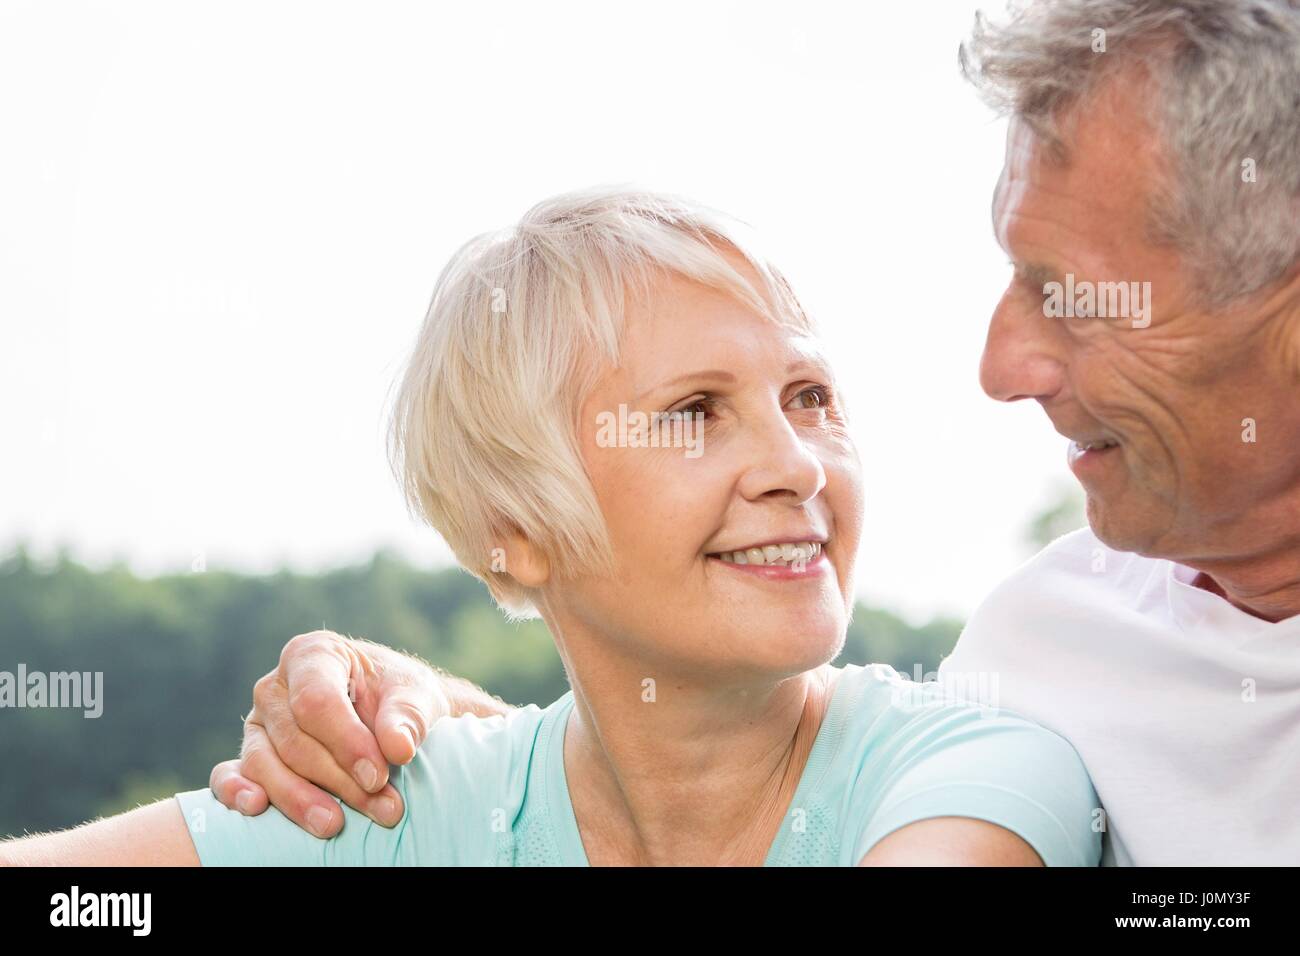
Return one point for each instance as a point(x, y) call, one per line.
point(1185, 710)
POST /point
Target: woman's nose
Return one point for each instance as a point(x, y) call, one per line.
point(783, 463)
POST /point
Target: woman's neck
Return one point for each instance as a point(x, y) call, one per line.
point(679, 773)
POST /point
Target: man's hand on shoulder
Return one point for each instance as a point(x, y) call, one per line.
point(331, 718)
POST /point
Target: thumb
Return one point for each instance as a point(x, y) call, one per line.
point(403, 718)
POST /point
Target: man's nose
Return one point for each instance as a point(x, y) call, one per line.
point(1022, 358)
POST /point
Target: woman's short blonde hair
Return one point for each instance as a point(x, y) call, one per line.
point(483, 437)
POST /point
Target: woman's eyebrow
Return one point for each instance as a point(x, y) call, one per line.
point(814, 362)
point(705, 375)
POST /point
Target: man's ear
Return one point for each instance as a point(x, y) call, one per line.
point(525, 562)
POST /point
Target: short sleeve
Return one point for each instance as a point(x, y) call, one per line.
point(462, 793)
point(224, 837)
point(963, 761)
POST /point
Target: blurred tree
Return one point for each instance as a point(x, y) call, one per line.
point(1064, 512)
point(179, 654)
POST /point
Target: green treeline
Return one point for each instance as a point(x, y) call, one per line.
point(179, 655)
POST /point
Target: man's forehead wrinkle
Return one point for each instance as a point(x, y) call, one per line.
point(1112, 148)
point(1065, 214)
point(1008, 198)
point(1061, 216)
point(1048, 250)
point(1085, 181)
point(994, 206)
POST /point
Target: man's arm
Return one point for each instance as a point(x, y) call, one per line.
point(331, 718)
point(154, 835)
point(466, 697)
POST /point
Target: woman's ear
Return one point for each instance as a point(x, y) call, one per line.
point(525, 562)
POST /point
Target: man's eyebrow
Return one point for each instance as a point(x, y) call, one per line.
point(1036, 274)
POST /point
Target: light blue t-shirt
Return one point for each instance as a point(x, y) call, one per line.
point(492, 791)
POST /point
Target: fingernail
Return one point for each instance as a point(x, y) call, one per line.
point(244, 801)
point(365, 773)
point(386, 809)
point(318, 821)
point(410, 732)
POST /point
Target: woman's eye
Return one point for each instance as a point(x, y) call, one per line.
point(701, 406)
point(815, 397)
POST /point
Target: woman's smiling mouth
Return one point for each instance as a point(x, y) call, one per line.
point(784, 560)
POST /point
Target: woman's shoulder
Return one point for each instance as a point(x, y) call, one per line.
point(887, 717)
point(480, 756)
point(876, 692)
point(912, 748)
point(468, 784)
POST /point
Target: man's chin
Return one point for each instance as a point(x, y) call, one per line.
point(1126, 527)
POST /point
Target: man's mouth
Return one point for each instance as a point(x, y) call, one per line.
point(1080, 452)
point(785, 554)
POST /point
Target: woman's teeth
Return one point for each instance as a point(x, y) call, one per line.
point(775, 555)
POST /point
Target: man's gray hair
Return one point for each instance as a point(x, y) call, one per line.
point(1226, 77)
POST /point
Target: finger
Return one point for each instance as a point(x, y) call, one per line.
point(307, 758)
point(304, 771)
point(316, 763)
point(232, 789)
point(405, 714)
point(306, 805)
point(316, 683)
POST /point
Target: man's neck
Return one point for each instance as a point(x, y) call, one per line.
point(1265, 586)
point(701, 775)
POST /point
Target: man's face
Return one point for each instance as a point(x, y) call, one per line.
point(1167, 406)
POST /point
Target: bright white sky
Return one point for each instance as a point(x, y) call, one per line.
point(220, 225)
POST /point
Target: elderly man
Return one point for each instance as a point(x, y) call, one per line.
point(1158, 141)
point(1153, 146)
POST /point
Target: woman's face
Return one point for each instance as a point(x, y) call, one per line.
point(774, 465)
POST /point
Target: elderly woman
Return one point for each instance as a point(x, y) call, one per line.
point(618, 416)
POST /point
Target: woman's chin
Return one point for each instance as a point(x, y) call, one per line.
point(786, 648)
